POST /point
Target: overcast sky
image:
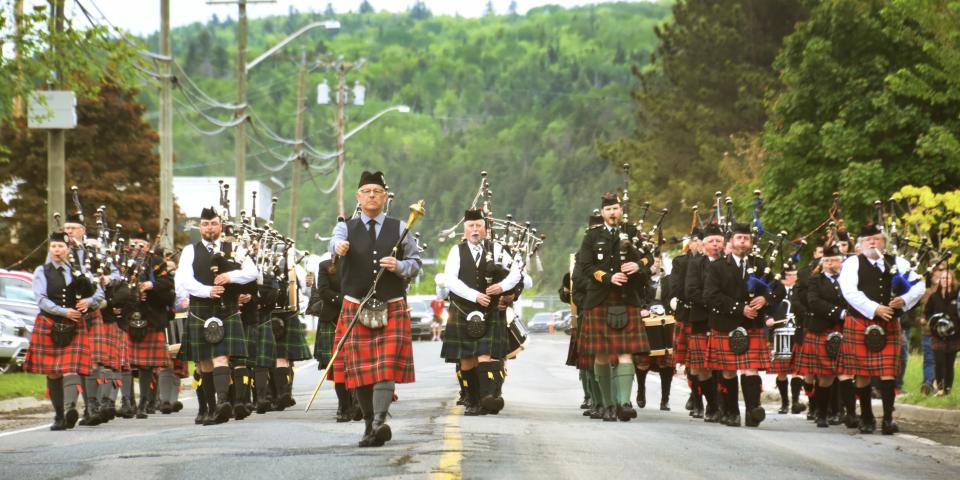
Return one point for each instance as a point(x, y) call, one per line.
point(143, 16)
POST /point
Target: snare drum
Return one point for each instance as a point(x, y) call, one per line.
point(516, 333)
point(660, 333)
point(174, 332)
point(783, 341)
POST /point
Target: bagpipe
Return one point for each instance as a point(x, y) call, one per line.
point(646, 244)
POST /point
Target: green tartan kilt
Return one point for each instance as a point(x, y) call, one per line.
point(261, 346)
point(293, 346)
point(233, 343)
point(457, 344)
point(323, 346)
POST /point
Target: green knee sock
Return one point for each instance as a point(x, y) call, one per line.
point(623, 376)
point(602, 372)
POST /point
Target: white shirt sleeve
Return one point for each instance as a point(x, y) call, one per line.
point(849, 280)
point(451, 273)
point(913, 295)
point(248, 272)
point(185, 279)
point(527, 281)
point(514, 276)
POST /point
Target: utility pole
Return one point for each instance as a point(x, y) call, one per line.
point(166, 129)
point(18, 108)
point(341, 105)
point(56, 150)
point(240, 145)
point(298, 149)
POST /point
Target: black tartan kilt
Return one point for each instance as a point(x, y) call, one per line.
point(234, 342)
point(261, 346)
point(323, 345)
point(457, 344)
point(293, 346)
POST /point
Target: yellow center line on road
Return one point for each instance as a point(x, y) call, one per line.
point(449, 467)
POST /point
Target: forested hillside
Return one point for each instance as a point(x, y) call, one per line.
point(527, 98)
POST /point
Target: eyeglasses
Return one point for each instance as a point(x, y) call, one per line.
point(375, 191)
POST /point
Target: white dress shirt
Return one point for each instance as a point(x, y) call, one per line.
point(191, 286)
point(451, 272)
point(850, 278)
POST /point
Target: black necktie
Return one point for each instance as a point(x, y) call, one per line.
point(833, 278)
point(476, 256)
point(372, 230)
point(62, 276)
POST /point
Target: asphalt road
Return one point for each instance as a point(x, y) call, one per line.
point(540, 434)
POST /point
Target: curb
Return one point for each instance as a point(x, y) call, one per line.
point(913, 413)
point(11, 405)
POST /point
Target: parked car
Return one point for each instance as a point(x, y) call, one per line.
point(420, 317)
point(562, 322)
point(541, 322)
point(14, 341)
point(16, 295)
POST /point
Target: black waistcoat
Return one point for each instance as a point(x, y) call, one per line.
point(875, 285)
point(470, 272)
point(362, 262)
point(202, 272)
point(56, 285)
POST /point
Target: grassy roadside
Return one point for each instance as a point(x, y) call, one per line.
point(912, 380)
point(19, 384)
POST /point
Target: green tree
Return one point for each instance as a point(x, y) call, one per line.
point(365, 7)
point(853, 115)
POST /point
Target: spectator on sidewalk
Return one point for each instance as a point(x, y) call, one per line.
point(942, 307)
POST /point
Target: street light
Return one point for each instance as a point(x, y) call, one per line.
point(330, 25)
point(306, 223)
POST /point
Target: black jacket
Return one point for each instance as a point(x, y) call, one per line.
point(678, 278)
point(825, 304)
point(327, 294)
point(726, 294)
point(599, 259)
point(695, 278)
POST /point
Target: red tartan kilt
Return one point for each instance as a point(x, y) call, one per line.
point(46, 358)
point(698, 350)
point(680, 334)
point(856, 359)
point(783, 366)
point(108, 343)
point(150, 351)
point(757, 356)
point(181, 368)
point(600, 339)
point(372, 356)
point(812, 358)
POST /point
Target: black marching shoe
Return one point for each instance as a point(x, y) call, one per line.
point(58, 424)
point(210, 418)
point(108, 410)
point(889, 427)
point(126, 409)
point(834, 419)
point(177, 406)
point(851, 420)
point(665, 405)
point(90, 417)
point(343, 415)
point(142, 409)
point(588, 412)
point(240, 411)
point(784, 407)
point(368, 438)
point(609, 414)
point(596, 413)
point(712, 417)
point(166, 408)
point(201, 416)
point(799, 407)
point(733, 419)
point(381, 431)
point(822, 421)
point(223, 412)
point(587, 403)
point(473, 411)
point(492, 404)
point(641, 397)
point(754, 417)
point(811, 415)
point(697, 412)
point(625, 412)
point(689, 405)
point(868, 425)
point(71, 416)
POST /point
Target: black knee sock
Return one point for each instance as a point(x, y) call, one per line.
point(261, 380)
point(751, 391)
point(833, 399)
point(795, 384)
point(821, 397)
point(55, 389)
point(209, 391)
point(848, 396)
point(732, 396)
point(126, 386)
point(866, 410)
point(948, 374)
point(782, 388)
point(145, 379)
point(641, 380)
point(887, 395)
point(695, 386)
point(365, 396)
point(343, 397)
point(221, 383)
point(666, 378)
point(708, 388)
point(241, 384)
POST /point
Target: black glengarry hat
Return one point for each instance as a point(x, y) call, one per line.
point(209, 214)
point(372, 178)
point(75, 217)
point(711, 230)
point(869, 230)
point(742, 228)
point(472, 214)
point(832, 251)
point(58, 236)
point(609, 198)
